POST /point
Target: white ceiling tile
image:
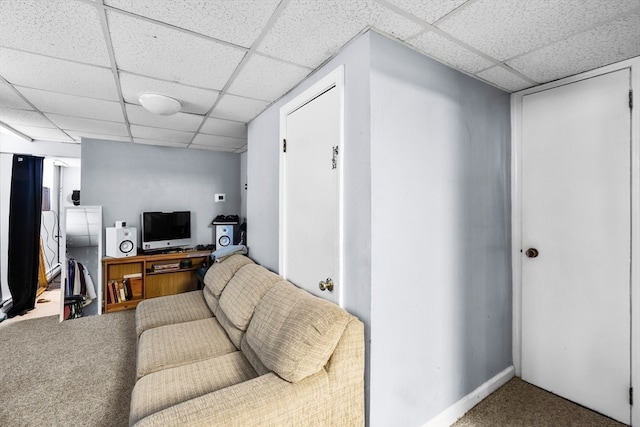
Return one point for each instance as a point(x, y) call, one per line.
point(88, 125)
point(145, 132)
point(158, 51)
point(237, 22)
point(507, 28)
point(160, 143)
point(505, 79)
point(221, 127)
point(219, 141)
point(193, 100)
point(10, 99)
point(61, 28)
point(449, 52)
point(44, 133)
point(14, 116)
point(309, 31)
point(266, 78)
point(241, 150)
point(78, 135)
point(72, 105)
point(180, 121)
point(58, 75)
point(584, 51)
point(237, 108)
point(212, 148)
point(429, 11)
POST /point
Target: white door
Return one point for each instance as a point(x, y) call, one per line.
point(310, 216)
point(576, 237)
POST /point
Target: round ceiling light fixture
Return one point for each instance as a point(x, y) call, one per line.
point(159, 104)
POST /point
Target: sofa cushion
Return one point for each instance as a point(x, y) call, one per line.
point(185, 307)
point(293, 333)
point(244, 291)
point(234, 334)
point(175, 345)
point(162, 389)
point(220, 273)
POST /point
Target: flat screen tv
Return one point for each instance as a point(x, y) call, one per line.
point(165, 230)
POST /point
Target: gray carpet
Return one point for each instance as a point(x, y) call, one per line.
point(79, 372)
point(518, 403)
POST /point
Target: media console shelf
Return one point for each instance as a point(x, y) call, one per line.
point(127, 281)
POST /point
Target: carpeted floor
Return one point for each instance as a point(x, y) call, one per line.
point(519, 404)
point(78, 372)
point(82, 371)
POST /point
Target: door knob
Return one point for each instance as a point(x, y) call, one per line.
point(326, 285)
point(531, 253)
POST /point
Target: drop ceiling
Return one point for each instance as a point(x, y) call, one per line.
point(76, 68)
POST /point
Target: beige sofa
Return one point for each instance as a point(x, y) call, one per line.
point(249, 349)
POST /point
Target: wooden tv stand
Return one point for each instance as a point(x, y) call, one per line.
point(159, 274)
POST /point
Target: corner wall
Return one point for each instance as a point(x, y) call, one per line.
point(427, 224)
point(440, 225)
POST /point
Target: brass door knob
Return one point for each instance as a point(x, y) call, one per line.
point(326, 285)
point(532, 253)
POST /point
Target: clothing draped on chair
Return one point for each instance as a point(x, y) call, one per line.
point(23, 254)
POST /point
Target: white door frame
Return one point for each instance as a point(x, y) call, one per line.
point(516, 215)
point(335, 79)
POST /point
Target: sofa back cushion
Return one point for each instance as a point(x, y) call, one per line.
point(294, 333)
point(244, 291)
point(240, 297)
point(218, 275)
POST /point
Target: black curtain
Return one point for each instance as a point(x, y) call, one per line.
point(25, 209)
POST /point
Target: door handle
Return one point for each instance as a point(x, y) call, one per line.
point(532, 253)
point(326, 285)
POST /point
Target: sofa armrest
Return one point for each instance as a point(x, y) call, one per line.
point(265, 400)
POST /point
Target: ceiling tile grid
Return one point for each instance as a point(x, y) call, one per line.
point(84, 64)
point(309, 32)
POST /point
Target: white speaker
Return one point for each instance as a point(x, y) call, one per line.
point(122, 242)
point(224, 236)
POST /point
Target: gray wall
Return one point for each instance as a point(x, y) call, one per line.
point(427, 220)
point(127, 179)
point(441, 288)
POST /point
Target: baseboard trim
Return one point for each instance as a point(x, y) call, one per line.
point(462, 406)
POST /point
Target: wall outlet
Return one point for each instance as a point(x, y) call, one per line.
point(220, 197)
